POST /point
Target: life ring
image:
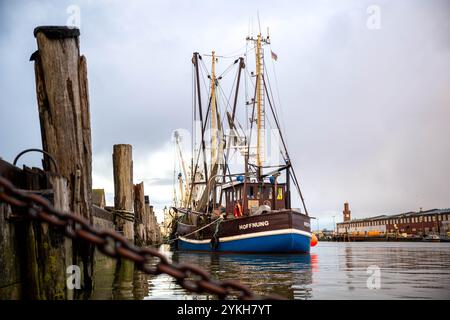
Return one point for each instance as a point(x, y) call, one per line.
point(237, 210)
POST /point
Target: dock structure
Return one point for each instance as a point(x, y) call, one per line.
point(66, 181)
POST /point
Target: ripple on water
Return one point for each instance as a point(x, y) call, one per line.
point(331, 271)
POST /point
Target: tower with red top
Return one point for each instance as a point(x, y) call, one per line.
point(346, 212)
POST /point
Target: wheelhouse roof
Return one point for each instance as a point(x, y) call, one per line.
point(236, 183)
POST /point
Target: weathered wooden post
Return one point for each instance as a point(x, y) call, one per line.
point(49, 253)
point(139, 215)
point(62, 95)
point(124, 216)
point(149, 225)
point(123, 189)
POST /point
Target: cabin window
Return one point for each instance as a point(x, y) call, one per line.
point(259, 194)
point(268, 193)
point(251, 192)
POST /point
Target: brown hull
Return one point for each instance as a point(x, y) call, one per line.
point(286, 219)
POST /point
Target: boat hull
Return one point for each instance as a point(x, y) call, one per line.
point(278, 243)
point(287, 232)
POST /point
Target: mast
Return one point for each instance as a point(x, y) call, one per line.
point(199, 96)
point(216, 149)
point(213, 112)
point(185, 195)
point(259, 88)
point(259, 106)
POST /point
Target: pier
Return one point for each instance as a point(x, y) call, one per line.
point(34, 257)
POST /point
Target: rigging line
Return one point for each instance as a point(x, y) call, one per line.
point(225, 98)
point(268, 82)
point(194, 120)
point(233, 52)
point(250, 77)
point(227, 144)
point(174, 176)
point(227, 69)
point(246, 82)
point(228, 104)
point(285, 149)
point(275, 110)
point(231, 91)
point(251, 125)
point(204, 81)
point(277, 87)
point(279, 147)
point(193, 178)
point(238, 54)
point(205, 120)
point(276, 116)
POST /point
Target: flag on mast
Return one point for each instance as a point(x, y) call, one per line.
point(274, 55)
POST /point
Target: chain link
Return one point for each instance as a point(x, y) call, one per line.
point(113, 244)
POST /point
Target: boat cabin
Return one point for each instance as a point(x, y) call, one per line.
point(252, 195)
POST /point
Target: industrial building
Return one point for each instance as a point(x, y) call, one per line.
point(420, 223)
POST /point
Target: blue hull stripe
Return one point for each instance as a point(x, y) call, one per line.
point(275, 243)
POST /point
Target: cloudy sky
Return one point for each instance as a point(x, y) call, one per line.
point(365, 103)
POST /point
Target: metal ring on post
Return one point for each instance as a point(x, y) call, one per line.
point(37, 150)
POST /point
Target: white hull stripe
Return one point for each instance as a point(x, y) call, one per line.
point(250, 235)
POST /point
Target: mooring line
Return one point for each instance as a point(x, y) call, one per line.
point(189, 234)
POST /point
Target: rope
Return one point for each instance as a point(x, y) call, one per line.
point(193, 232)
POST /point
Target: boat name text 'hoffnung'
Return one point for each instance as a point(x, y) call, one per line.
point(253, 225)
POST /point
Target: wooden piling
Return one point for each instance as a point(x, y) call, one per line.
point(140, 234)
point(123, 189)
point(48, 251)
point(63, 100)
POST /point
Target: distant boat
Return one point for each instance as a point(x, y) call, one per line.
point(432, 238)
point(248, 210)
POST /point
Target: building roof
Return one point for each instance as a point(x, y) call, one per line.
point(401, 215)
point(98, 197)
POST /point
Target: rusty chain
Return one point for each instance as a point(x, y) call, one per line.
point(112, 244)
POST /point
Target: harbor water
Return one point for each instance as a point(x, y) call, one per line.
point(333, 270)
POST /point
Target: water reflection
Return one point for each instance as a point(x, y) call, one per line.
point(287, 275)
point(331, 271)
point(124, 281)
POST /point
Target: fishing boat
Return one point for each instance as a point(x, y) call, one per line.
point(242, 205)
